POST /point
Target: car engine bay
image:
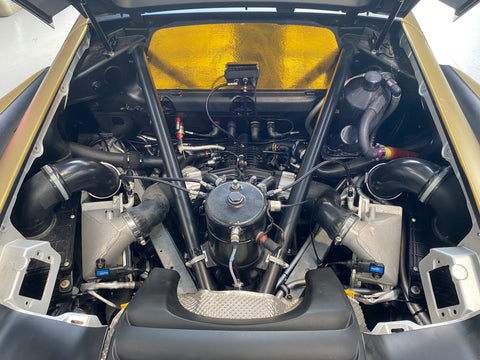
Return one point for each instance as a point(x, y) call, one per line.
point(243, 205)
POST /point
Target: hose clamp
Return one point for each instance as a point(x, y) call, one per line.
point(55, 179)
point(347, 225)
point(434, 184)
point(196, 259)
point(277, 261)
point(115, 170)
point(133, 226)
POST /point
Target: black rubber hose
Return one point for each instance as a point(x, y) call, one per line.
point(151, 211)
point(290, 217)
point(189, 160)
point(333, 218)
point(183, 205)
point(371, 120)
point(255, 130)
point(327, 212)
point(354, 166)
point(272, 132)
point(434, 185)
point(213, 133)
point(130, 160)
point(55, 183)
point(364, 131)
point(56, 148)
point(389, 180)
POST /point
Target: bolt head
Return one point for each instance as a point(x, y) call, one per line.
point(415, 290)
point(235, 185)
point(65, 284)
point(235, 198)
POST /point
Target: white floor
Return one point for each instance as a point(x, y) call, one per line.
point(29, 45)
point(455, 43)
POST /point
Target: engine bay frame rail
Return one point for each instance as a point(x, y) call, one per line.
point(297, 194)
point(184, 208)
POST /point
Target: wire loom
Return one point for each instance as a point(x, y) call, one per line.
point(297, 57)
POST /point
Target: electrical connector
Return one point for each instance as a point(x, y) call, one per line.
point(365, 266)
point(113, 272)
point(242, 74)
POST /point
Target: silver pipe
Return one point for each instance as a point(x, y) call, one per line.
point(295, 284)
point(294, 262)
point(102, 299)
point(183, 147)
point(108, 285)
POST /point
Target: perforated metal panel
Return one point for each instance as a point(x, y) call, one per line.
point(235, 304)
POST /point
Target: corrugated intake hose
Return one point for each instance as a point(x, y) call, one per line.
point(55, 183)
point(434, 186)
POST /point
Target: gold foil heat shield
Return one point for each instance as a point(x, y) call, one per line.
point(290, 57)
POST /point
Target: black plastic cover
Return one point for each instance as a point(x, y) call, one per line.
point(27, 337)
point(154, 324)
point(468, 100)
point(45, 10)
point(453, 340)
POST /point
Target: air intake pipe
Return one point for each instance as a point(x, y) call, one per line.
point(134, 224)
point(55, 183)
point(364, 235)
point(434, 186)
point(334, 219)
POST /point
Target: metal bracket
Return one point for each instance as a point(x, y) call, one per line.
point(196, 259)
point(277, 261)
point(169, 256)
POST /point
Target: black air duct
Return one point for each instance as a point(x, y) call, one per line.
point(55, 183)
point(434, 185)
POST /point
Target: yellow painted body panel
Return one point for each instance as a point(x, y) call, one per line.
point(462, 138)
point(289, 56)
point(19, 147)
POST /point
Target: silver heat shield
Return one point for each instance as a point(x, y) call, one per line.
point(236, 305)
